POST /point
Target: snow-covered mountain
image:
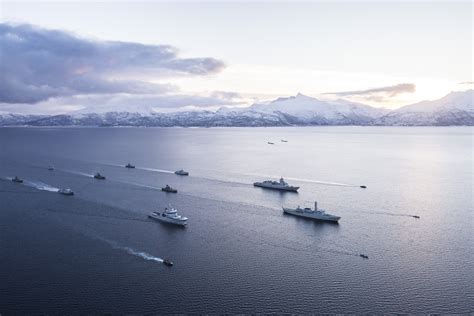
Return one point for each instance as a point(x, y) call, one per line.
point(305, 110)
point(11, 119)
point(296, 110)
point(454, 109)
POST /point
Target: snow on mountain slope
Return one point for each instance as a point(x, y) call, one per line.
point(308, 110)
point(455, 108)
point(458, 100)
point(12, 119)
point(130, 108)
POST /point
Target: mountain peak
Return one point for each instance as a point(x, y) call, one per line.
point(456, 108)
point(455, 100)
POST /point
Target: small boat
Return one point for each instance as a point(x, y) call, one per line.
point(270, 143)
point(363, 187)
point(66, 192)
point(130, 166)
point(169, 189)
point(284, 141)
point(98, 176)
point(181, 172)
point(50, 168)
point(168, 262)
point(281, 185)
point(416, 216)
point(170, 215)
point(364, 256)
point(17, 180)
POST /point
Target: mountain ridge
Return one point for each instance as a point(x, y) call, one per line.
point(455, 108)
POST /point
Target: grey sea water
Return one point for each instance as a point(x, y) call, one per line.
point(97, 251)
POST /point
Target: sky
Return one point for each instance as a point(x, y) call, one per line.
point(62, 56)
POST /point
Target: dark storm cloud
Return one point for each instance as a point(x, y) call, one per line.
point(379, 93)
point(37, 64)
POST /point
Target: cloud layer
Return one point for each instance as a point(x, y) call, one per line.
point(378, 94)
point(37, 64)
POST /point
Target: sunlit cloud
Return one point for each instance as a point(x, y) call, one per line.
point(379, 94)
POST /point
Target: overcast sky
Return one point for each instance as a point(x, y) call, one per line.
point(209, 54)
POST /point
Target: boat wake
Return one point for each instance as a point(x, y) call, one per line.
point(250, 174)
point(139, 168)
point(97, 215)
point(240, 182)
point(40, 186)
point(326, 182)
point(35, 184)
point(133, 252)
point(155, 170)
point(141, 185)
point(78, 173)
point(392, 214)
point(307, 248)
point(140, 254)
point(309, 180)
point(223, 180)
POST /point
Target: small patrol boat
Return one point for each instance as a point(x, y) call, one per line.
point(270, 143)
point(168, 262)
point(364, 256)
point(169, 189)
point(98, 176)
point(181, 172)
point(66, 192)
point(17, 180)
point(50, 168)
point(363, 187)
point(130, 166)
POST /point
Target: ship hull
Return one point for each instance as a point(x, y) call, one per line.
point(169, 191)
point(168, 220)
point(279, 188)
point(326, 218)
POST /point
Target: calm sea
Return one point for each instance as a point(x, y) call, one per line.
point(97, 251)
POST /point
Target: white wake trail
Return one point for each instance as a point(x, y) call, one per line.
point(35, 184)
point(131, 251)
point(141, 168)
point(76, 172)
point(40, 186)
point(140, 254)
point(305, 180)
point(156, 170)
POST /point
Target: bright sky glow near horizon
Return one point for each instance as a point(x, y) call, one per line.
point(273, 49)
